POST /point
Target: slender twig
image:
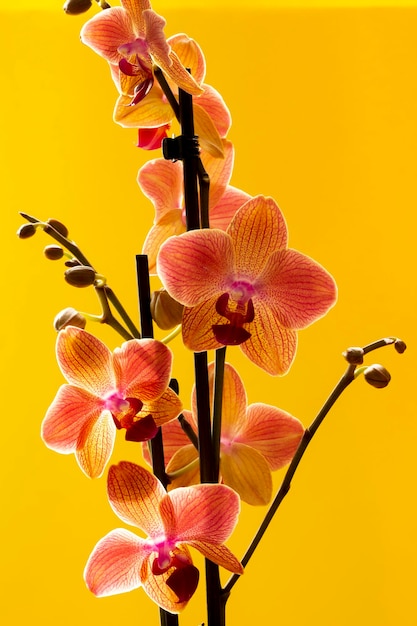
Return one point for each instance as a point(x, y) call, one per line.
point(167, 91)
point(122, 312)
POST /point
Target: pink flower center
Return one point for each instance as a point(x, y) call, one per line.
point(184, 578)
point(237, 307)
point(125, 415)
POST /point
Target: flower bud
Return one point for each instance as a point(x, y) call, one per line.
point(53, 253)
point(165, 311)
point(377, 376)
point(354, 356)
point(26, 231)
point(400, 346)
point(69, 317)
point(81, 276)
point(76, 7)
point(72, 262)
point(58, 226)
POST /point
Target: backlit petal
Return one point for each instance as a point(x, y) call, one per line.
point(179, 75)
point(143, 368)
point(71, 409)
point(114, 564)
point(158, 46)
point(85, 361)
point(205, 128)
point(108, 30)
point(220, 555)
point(95, 444)
point(298, 289)
point(190, 55)
point(174, 438)
point(150, 112)
point(222, 214)
point(157, 589)
point(257, 230)
point(273, 432)
point(219, 171)
point(197, 326)
point(206, 513)
point(164, 409)
point(196, 265)
point(234, 402)
point(185, 457)
point(134, 495)
point(168, 226)
point(271, 346)
point(214, 105)
point(162, 182)
point(135, 9)
point(246, 471)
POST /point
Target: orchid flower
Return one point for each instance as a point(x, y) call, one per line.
point(245, 286)
point(162, 182)
point(255, 440)
point(202, 517)
point(107, 391)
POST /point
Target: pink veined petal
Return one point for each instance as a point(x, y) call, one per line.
point(156, 40)
point(85, 361)
point(161, 181)
point(135, 9)
point(298, 289)
point(134, 495)
point(143, 368)
point(71, 409)
point(271, 346)
point(218, 554)
point(196, 265)
point(246, 471)
point(224, 211)
point(186, 462)
point(273, 432)
point(190, 54)
point(156, 585)
point(168, 226)
point(197, 326)
point(95, 444)
point(108, 30)
point(209, 137)
point(179, 75)
point(150, 112)
point(114, 565)
point(206, 513)
point(219, 171)
point(234, 402)
point(164, 409)
point(257, 230)
point(214, 105)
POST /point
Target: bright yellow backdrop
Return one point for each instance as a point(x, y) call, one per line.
point(324, 120)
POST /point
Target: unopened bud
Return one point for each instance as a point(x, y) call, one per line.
point(69, 317)
point(53, 253)
point(58, 226)
point(400, 346)
point(72, 262)
point(81, 276)
point(75, 7)
point(165, 311)
point(354, 356)
point(377, 376)
point(26, 231)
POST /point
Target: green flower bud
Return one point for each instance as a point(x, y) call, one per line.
point(377, 376)
point(53, 253)
point(354, 356)
point(26, 231)
point(165, 311)
point(69, 317)
point(81, 276)
point(76, 7)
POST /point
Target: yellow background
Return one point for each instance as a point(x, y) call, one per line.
point(324, 120)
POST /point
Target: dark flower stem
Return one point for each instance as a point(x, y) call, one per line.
point(217, 408)
point(347, 378)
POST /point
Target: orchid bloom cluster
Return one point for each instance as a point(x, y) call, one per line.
point(233, 282)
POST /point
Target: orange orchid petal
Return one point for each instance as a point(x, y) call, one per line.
point(85, 361)
point(298, 289)
point(114, 564)
point(135, 495)
point(162, 182)
point(158, 46)
point(220, 555)
point(219, 171)
point(257, 230)
point(174, 438)
point(184, 457)
point(206, 513)
point(190, 55)
point(169, 225)
point(164, 409)
point(246, 471)
point(156, 585)
point(197, 326)
point(271, 346)
point(273, 432)
point(150, 112)
point(196, 265)
point(223, 212)
point(95, 444)
point(214, 105)
point(135, 9)
point(207, 132)
point(71, 409)
point(108, 30)
point(179, 75)
point(143, 368)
